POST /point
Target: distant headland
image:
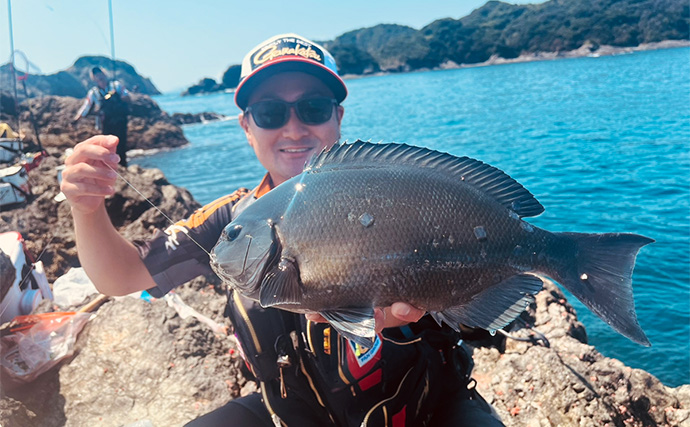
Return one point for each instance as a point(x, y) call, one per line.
point(500, 33)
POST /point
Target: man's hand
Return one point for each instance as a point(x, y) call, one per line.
point(87, 179)
point(398, 314)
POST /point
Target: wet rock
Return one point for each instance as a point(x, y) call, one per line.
point(188, 118)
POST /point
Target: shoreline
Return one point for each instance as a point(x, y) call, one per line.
point(588, 49)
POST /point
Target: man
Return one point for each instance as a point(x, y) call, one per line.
point(290, 95)
point(109, 101)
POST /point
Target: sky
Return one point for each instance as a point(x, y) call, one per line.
point(176, 43)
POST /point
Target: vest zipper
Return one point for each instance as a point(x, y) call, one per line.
point(373, 408)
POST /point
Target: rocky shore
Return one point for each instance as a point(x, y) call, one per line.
point(588, 49)
point(149, 127)
point(140, 361)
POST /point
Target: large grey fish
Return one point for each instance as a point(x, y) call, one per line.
point(365, 225)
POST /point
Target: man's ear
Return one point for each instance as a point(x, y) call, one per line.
point(242, 119)
point(341, 112)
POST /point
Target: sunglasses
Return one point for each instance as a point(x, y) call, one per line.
point(274, 114)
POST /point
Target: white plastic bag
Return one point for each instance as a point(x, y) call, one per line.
point(72, 288)
point(38, 342)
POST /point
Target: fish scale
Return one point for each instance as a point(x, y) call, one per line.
point(433, 211)
point(366, 225)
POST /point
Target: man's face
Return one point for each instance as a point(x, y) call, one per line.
point(284, 151)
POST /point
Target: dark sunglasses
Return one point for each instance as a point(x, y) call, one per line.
point(273, 114)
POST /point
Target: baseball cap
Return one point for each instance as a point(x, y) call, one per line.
point(287, 52)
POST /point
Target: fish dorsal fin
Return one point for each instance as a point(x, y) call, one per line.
point(486, 178)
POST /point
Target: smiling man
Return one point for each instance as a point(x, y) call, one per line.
point(282, 145)
point(413, 375)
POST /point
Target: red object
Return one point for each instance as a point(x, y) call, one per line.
point(35, 161)
point(400, 418)
point(371, 380)
point(21, 323)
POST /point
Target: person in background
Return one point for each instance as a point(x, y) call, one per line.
point(415, 374)
point(108, 100)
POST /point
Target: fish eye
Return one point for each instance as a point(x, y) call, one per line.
point(233, 232)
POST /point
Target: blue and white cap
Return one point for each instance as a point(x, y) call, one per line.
point(287, 52)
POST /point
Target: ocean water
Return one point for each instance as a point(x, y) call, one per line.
point(603, 143)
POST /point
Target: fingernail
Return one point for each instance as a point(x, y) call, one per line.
point(404, 310)
point(113, 158)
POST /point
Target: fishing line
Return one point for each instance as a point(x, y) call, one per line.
point(159, 211)
point(145, 198)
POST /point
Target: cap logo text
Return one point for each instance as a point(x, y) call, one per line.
point(271, 52)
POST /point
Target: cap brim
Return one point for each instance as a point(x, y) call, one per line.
point(286, 64)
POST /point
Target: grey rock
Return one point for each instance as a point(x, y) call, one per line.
point(188, 118)
point(570, 383)
point(149, 127)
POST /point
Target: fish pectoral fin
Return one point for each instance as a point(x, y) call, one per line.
point(496, 306)
point(355, 323)
point(281, 285)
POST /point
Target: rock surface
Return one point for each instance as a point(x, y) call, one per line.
point(149, 127)
point(570, 383)
point(188, 118)
point(46, 225)
point(140, 361)
point(205, 85)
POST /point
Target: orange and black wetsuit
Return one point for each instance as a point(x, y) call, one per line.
point(308, 375)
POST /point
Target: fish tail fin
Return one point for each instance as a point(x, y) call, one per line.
point(601, 278)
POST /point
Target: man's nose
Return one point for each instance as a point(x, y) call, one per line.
point(294, 128)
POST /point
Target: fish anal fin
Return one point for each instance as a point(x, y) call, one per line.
point(496, 306)
point(281, 285)
point(354, 323)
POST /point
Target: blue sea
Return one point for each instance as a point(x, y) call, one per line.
point(603, 143)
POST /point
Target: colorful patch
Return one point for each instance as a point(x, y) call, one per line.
point(362, 354)
point(327, 340)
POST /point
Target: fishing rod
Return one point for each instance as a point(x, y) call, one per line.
point(112, 39)
point(14, 75)
point(23, 79)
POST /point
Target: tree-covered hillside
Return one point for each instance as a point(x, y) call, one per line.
point(508, 30)
point(502, 30)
